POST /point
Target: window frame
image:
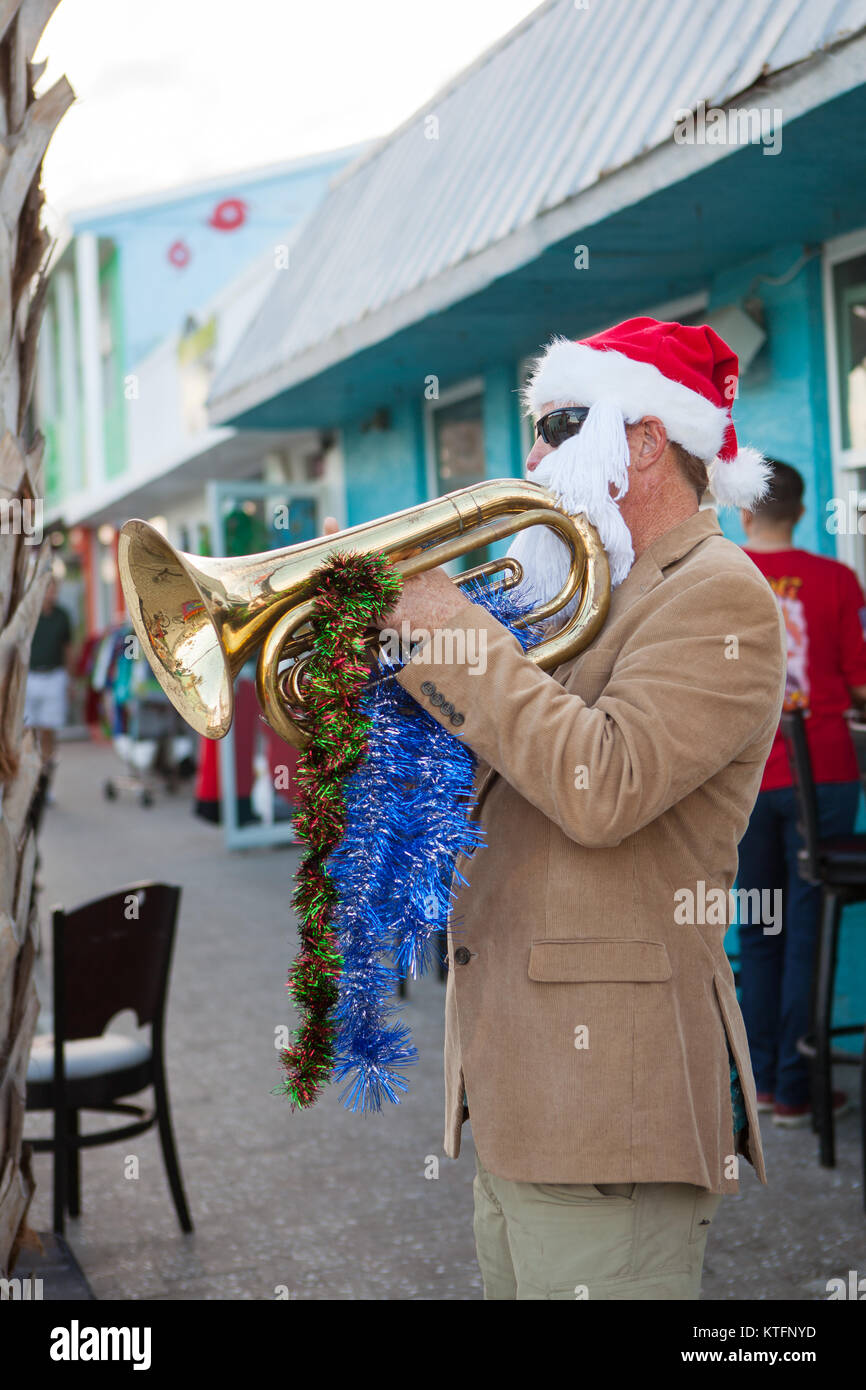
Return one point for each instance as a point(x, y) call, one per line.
point(849, 465)
point(471, 386)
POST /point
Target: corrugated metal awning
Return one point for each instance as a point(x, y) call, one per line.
point(565, 99)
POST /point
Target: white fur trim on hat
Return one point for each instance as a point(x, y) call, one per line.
point(571, 373)
point(740, 481)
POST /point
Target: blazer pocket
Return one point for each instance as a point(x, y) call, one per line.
point(599, 960)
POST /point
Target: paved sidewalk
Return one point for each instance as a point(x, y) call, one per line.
point(330, 1205)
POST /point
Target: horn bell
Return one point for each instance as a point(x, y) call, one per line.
point(173, 605)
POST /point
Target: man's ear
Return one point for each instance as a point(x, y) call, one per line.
point(651, 440)
point(746, 519)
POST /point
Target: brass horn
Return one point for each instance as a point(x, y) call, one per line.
point(199, 620)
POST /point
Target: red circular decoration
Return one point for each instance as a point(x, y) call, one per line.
point(179, 254)
point(228, 215)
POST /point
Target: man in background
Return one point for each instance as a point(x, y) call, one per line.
point(823, 608)
point(47, 682)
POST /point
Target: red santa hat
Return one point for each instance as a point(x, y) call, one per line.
point(685, 376)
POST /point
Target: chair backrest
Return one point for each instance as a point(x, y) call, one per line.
point(111, 954)
point(793, 726)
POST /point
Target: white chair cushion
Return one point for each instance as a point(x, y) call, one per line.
point(87, 1056)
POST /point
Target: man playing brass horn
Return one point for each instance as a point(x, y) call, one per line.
point(593, 1032)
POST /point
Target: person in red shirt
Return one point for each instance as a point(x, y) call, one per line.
point(824, 611)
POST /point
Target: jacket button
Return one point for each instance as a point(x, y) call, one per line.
point(462, 956)
point(428, 688)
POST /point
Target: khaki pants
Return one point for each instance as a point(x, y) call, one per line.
point(590, 1241)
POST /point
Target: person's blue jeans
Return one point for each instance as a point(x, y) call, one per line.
point(776, 970)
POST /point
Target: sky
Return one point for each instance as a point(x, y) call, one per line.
point(174, 91)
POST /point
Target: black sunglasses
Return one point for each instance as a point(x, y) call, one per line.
point(558, 425)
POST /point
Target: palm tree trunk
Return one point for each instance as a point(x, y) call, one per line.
point(26, 126)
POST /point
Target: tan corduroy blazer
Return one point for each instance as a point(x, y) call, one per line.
point(586, 1014)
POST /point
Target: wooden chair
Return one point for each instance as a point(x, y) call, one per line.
point(109, 955)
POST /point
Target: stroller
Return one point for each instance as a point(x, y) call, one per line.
point(148, 734)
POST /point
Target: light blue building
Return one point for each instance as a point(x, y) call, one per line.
point(690, 161)
point(176, 249)
point(145, 300)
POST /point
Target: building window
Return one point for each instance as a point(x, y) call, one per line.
point(455, 448)
point(849, 304)
point(458, 443)
point(844, 272)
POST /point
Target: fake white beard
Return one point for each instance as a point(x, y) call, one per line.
point(579, 474)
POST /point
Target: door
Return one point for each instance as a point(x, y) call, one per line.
point(256, 768)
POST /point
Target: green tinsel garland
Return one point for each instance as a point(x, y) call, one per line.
point(351, 590)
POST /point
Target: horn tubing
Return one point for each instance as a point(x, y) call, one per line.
point(199, 619)
point(588, 560)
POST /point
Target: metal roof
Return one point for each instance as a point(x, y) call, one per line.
point(564, 99)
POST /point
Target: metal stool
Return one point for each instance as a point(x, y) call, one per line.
point(839, 866)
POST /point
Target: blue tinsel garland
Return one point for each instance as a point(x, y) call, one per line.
point(407, 819)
